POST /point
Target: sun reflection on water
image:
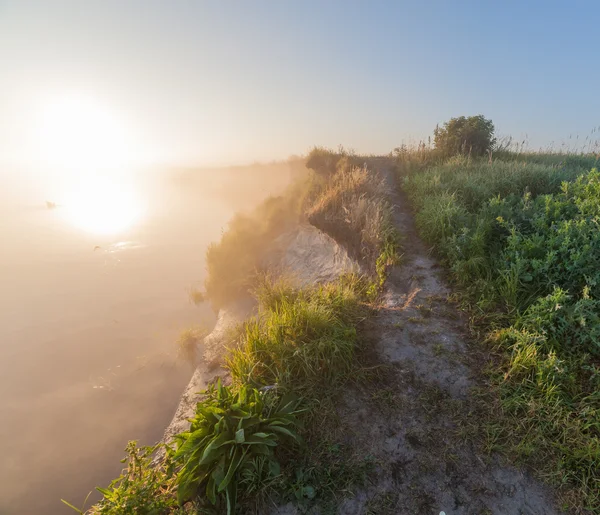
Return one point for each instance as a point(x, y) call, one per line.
point(102, 206)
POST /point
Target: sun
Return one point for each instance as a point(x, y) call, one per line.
point(103, 206)
point(88, 150)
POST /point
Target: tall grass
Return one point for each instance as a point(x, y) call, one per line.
point(522, 239)
point(474, 182)
point(302, 339)
point(352, 208)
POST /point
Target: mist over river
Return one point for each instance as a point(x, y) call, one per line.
point(87, 329)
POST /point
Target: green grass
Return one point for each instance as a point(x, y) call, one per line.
point(521, 239)
point(140, 489)
point(302, 339)
point(475, 182)
point(242, 447)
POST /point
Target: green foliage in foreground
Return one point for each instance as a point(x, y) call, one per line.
point(141, 489)
point(233, 434)
point(231, 446)
point(523, 241)
point(300, 347)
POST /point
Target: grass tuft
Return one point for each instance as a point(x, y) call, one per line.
point(302, 339)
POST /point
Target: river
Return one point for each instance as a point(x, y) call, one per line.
point(87, 330)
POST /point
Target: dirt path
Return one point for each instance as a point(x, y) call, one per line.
point(417, 423)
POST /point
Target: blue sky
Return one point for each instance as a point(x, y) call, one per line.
point(229, 82)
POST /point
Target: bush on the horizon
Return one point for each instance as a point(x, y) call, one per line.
point(473, 135)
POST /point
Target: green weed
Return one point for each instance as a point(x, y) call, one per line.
point(233, 434)
point(140, 489)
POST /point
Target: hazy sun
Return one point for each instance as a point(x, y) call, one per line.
point(102, 206)
point(88, 150)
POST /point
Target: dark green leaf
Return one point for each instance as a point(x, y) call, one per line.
point(233, 466)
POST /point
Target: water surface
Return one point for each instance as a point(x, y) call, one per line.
point(87, 325)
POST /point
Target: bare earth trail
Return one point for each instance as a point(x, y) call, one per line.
point(416, 424)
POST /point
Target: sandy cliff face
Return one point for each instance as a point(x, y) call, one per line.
point(304, 254)
point(309, 256)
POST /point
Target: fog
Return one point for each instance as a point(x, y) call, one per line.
point(88, 323)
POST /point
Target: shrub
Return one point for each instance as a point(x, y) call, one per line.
point(187, 344)
point(473, 135)
point(231, 436)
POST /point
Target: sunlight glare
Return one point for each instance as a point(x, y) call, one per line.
point(88, 154)
point(102, 206)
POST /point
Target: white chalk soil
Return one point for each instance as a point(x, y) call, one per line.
point(417, 424)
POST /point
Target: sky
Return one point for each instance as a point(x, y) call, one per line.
point(193, 82)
